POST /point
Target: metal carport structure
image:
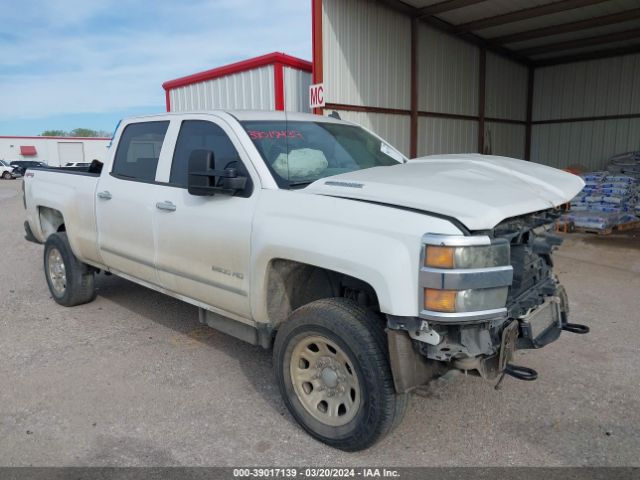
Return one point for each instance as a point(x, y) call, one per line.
point(554, 81)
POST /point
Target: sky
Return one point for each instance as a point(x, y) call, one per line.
point(66, 64)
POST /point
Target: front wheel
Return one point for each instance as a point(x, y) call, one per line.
point(70, 281)
point(7, 176)
point(332, 368)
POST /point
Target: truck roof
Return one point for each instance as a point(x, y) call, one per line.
point(243, 115)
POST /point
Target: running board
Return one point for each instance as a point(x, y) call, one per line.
point(260, 334)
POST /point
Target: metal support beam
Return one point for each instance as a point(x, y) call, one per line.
point(528, 129)
point(481, 98)
point(525, 14)
point(316, 41)
point(413, 132)
point(568, 27)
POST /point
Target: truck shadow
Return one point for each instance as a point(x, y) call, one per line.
point(181, 317)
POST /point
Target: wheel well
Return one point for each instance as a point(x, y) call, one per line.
point(51, 221)
point(292, 284)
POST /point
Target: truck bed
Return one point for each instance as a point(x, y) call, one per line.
point(63, 199)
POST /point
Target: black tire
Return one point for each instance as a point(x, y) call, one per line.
point(79, 278)
point(360, 335)
point(7, 176)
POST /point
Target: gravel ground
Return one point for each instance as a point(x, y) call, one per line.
point(133, 379)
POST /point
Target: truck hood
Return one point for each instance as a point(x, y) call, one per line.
point(478, 190)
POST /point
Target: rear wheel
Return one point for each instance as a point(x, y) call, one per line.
point(70, 281)
point(332, 367)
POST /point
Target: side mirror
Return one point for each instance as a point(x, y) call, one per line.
point(204, 180)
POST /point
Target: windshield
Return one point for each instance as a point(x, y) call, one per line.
point(3, 163)
point(299, 153)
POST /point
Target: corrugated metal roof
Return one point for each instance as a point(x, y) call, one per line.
point(576, 51)
point(591, 32)
point(489, 21)
point(489, 8)
point(583, 13)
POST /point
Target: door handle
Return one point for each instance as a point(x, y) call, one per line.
point(168, 206)
point(106, 195)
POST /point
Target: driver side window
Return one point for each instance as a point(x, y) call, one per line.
point(203, 135)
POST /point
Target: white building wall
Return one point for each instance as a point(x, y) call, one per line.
point(608, 86)
point(296, 90)
point(250, 90)
point(393, 128)
point(588, 144)
point(446, 135)
point(448, 72)
point(506, 88)
point(366, 54)
point(48, 148)
point(594, 88)
point(505, 139)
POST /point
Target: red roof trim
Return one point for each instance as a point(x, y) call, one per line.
point(264, 60)
point(18, 137)
point(278, 81)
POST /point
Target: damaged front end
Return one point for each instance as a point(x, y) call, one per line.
point(481, 298)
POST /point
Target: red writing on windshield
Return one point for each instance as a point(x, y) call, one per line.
point(263, 134)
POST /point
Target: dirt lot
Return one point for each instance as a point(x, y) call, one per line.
point(133, 379)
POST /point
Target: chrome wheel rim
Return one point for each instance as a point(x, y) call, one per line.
point(57, 271)
point(325, 381)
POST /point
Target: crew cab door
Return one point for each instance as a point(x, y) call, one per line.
point(125, 204)
point(203, 242)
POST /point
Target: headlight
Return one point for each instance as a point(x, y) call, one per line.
point(463, 301)
point(477, 256)
point(464, 278)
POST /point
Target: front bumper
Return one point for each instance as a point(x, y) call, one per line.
point(420, 352)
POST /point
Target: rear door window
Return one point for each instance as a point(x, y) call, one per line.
point(139, 150)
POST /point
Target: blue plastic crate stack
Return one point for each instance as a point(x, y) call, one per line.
point(610, 197)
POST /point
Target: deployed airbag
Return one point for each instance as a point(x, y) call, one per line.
point(301, 163)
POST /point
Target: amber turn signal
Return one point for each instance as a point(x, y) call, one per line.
point(438, 257)
point(440, 300)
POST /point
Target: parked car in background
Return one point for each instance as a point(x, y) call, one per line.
point(21, 166)
point(7, 172)
point(76, 164)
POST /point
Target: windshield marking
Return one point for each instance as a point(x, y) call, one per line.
point(261, 135)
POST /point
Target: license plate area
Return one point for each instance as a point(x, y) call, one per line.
point(543, 318)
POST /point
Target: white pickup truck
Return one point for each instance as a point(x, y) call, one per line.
point(368, 274)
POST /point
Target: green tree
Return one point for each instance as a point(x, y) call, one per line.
point(76, 132)
point(54, 133)
point(83, 132)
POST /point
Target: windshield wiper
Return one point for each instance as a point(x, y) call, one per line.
point(300, 184)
